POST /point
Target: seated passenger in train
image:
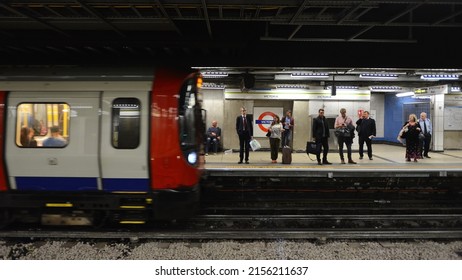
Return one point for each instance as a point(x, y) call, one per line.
point(27, 137)
point(213, 138)
point(55, 140)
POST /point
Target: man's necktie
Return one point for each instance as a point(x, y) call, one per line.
point(425, 127)
point(244, 122)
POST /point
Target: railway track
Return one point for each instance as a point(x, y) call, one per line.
point(317, 227)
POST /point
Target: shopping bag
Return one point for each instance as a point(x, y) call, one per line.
point(255, 145)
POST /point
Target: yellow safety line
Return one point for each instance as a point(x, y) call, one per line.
point(132, 207)
point(59, 205)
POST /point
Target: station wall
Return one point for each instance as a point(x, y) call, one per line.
point(386, 109)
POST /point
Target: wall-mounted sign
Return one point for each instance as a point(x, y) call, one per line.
point(442, 89)
point(299, 94)
point(263, 116)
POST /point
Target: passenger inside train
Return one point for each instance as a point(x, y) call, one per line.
point(55, 139)
point(51, 131)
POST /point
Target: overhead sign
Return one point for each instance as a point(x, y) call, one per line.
point(442, 89)
point(298, 94)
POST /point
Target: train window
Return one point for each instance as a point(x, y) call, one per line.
point(42, 125)
point(126, 123)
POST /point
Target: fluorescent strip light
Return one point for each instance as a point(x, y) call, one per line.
point(344, 87)
point(309, 75)
point(378, 76)
point(455, 89)
point(386, 88)
point(403, 94)
point(439, 77)
point(214, 74)
point(212, 86)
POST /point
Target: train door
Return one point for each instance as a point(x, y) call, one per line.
point(51, 141)
point(124, 138)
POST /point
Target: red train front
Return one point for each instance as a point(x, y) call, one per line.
point(87, 147)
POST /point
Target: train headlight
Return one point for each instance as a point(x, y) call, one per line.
point(192, 158)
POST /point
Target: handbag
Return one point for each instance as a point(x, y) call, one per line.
point(342, 132)
point(255, 145)
point(268, 134)
point(311, 147)
point(421, 136)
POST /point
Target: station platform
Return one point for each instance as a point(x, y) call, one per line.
point(388, 161)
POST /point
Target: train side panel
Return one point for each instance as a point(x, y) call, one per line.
point(3, 175)
point(73, 167)
point(124, 141)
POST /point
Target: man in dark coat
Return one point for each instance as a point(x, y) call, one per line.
point(321, 135)
point(366, 132)
point(244, 130)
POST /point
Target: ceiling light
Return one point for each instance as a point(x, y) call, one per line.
point(214, 74)
point(378, 76)
point(344, 87)
point(309, 75)
point(403, 94)
point(455, 89)
point(439, 76)
point(212, 86)
point(386, 88)
point(291, 86)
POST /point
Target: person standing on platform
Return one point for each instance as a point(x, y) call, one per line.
point(411, 133)
point(275, 138)
point(244, 130)
point(321, 136)
point(367, 131)
point(344, 121)
point(426, 126)
point(288, 126)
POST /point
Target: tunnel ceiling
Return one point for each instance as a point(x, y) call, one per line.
point(239, 33)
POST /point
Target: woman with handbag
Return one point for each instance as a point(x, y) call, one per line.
point(275, 138)
point(411, 132)
point(344, 130)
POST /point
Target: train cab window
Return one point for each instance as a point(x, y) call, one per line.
point(42, 125)
point(126, 123)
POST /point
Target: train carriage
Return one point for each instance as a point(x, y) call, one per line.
point(123, 147)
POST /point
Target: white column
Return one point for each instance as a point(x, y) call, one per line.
point(437, 119)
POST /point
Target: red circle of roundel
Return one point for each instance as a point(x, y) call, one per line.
point(264, 114)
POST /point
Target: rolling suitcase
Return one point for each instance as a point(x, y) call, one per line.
point(286, 155)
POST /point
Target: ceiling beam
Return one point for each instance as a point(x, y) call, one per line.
point(96, 14)
point(206, 17)
point(40, 21)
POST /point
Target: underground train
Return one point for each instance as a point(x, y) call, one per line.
point(94, 147)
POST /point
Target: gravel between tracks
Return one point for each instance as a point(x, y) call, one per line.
point(232, 250)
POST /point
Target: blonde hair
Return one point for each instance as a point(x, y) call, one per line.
point(413, 116)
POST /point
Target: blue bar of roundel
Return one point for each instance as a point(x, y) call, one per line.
point(126, 184)
point(56, 183)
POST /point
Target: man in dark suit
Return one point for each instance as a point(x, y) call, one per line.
point(244, 130)
point(321, 135)
point(366, 132)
